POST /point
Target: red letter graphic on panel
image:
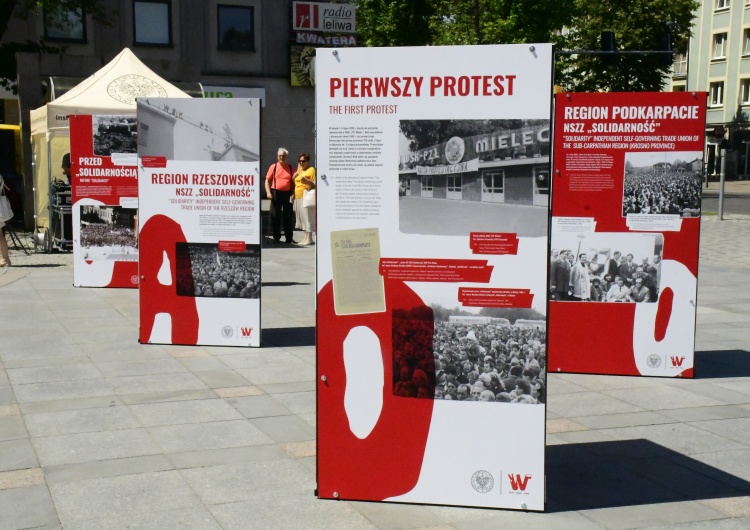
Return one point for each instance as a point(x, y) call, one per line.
point(159, 236)
point(388, 461)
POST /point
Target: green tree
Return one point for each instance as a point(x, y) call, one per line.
point(55, 10)
point(636, 25)
point(570, 24)
point(395, 22)
point(498, 21)
point(426, 133)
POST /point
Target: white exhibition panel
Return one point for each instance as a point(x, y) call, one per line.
point(476, 453)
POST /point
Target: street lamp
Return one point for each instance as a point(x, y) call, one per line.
point(672, 25)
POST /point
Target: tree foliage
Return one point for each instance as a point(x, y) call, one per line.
point(54, 10)
point(395, 22)
point(426, 133)
point(570, 24)
point(636, 25)
point(498, 21)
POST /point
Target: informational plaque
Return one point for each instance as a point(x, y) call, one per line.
point(433, 179)
point(200, 237)
point(626, 212)
point(104, 197)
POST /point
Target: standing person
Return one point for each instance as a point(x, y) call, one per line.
point(553, 272)
point(66, 167)
point(613, 264)
point(580, 284)
point(5, 259)
point(280, 188)
point(561, 277)
point(304, 180)
point(627, 269)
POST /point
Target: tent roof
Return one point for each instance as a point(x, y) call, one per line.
point(111, 90)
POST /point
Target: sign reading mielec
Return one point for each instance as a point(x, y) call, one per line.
point(334, 18)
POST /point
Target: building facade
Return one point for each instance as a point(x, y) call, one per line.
point(718, 62)
point(233, 48)
point(503, 165)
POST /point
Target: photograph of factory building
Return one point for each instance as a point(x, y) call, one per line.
point(500, 167)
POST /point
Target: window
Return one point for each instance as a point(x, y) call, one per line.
point(152, 22)
point(716, 94)
point(745, 91)
point(678, 88)
point(680, 65)
point(454, 184)
point(493, 181)
point(64, 25)
point(720, 46)
point(235, 28)
point(746, 42)
point(722, 4)
point(742, 159)
point(426, 183)
point(541, 181)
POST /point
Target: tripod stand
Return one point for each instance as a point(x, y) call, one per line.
point(15, 239)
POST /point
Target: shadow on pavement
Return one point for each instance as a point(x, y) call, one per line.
point(284, 337)
point(38, 266)
point(722, 363)
point(589, 476)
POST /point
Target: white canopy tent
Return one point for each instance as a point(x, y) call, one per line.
point(112, 90)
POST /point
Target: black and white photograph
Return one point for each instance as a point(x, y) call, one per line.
point(495, 355)
point(114, 134)
point(663, 183)
point(605, 267)
point(462, 176)
point(203, 270)
point(109, 233)
point(192, 129)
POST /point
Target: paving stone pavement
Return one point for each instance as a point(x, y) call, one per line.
point(99, 432)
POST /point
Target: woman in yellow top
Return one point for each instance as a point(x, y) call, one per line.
point(304, 180)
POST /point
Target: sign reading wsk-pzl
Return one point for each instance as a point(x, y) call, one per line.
point(314, 16)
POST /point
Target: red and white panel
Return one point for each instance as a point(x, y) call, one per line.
point(418, 274)
point(104, 197)
point(199, 221)
point(626, 207)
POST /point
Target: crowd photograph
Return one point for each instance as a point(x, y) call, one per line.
point(469, 358)
point(114, 134)
point(603, 267)
point(205, 271)
point(108, 232)
point(663, 183)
